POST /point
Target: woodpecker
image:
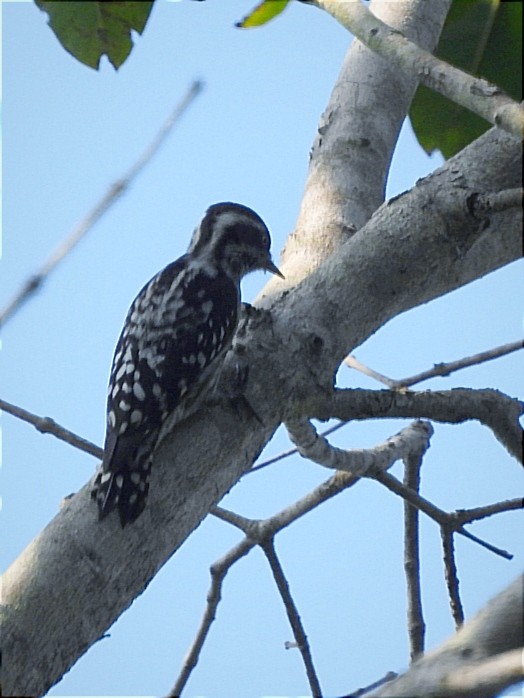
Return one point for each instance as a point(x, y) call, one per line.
point(171, 349)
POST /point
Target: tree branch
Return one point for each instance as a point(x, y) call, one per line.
point(350, 157)
point(452, 580)
point(114, 192)
point(490, 407)
point(416, 626)
point(438, 515)
point(475, 94)
point(481, 659)
point(46, 425)
point(468, 515)
point(488, 677)
point(219, 571)
point(374, 463)
point(440, 369)
point(292, 613)
point(358, 461)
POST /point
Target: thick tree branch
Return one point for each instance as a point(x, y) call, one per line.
point(481, 659)
point(488, 677)
point(475, 94)
point(490, 407)
point(350, 156)
point(358, 461)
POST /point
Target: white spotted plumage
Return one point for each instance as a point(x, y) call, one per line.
point(171, 349)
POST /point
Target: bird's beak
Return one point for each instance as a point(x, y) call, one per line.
point(269, 266)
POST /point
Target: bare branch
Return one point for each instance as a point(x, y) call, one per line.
point(256, 533)
point(263, 532)
point(492, 408)
point(476, 94)
point(218, 573)
point(292, 613)
point(440, 369)
point(452, 580)
point(115, 190)
point(291, 451)
point(416, 626)
point(438, 515)
point(351, 361)
point(234, 519)
point(478, 661)
point(374, 463)
point(357, 461)
point(468, 515)
point(46, 425)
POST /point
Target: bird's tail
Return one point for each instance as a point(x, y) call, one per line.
point(124, 489)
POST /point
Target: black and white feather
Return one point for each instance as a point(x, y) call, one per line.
point(169, 354)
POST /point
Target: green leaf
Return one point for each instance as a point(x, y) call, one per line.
point(484, 38)
point(263, 12)
point(88, 30)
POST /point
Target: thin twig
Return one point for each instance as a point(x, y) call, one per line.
point(376, 684)
point(416, 626)
point(46, 425)
point(258, 531)
point(292, 451)
point(438, 515)
point(451, 574)
point(374, 463)
point(218, 572)
point(440, 369)
point(115, 190)
point(232, 518)
point(484, 544)
point(293, 615)
point(351, 361)
point(462, 516)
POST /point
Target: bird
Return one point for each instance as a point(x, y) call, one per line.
point(172, 347)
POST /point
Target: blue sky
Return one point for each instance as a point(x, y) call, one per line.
point(68, 133)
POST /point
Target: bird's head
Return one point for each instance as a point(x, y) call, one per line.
point(235, 238)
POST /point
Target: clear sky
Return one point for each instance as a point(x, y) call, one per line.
point(69, 132)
